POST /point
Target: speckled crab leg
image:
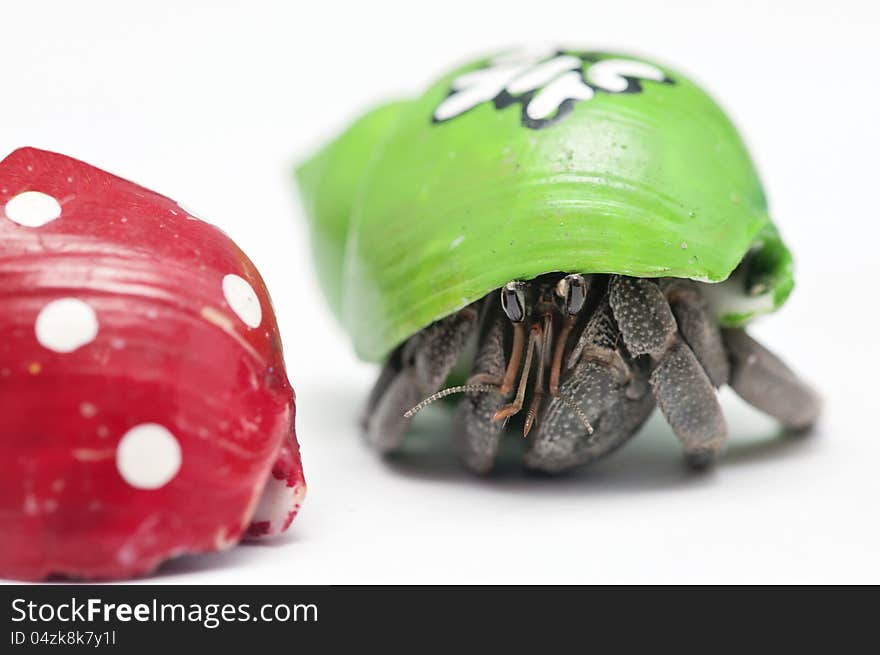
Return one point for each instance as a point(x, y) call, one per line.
point(681, 386)
point(476, 435)
point(698, 327)
point(425, 362)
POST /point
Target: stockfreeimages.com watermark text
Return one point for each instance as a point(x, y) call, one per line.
point(209, 615)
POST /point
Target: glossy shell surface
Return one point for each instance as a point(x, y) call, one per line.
point(526, 163)
point(145, 410)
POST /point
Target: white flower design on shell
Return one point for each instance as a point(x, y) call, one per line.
point(546, 82)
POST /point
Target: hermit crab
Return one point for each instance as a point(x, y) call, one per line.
point(583, 234)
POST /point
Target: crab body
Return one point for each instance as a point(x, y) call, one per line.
point(533, 174)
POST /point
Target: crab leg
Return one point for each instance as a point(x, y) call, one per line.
point(764, 381)
point(682, 388)
point(476, 435)
point(390, 370)
point(687, 399)
point(424, 363)
point(698, 327)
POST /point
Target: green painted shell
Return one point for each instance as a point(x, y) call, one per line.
point(528, 163)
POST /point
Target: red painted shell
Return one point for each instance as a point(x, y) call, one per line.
point(145, 411)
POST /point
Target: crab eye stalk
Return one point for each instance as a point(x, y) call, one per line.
point(513, 301)
point(572, 292)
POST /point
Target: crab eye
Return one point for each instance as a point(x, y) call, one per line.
point(572, 290)
point(513, 301)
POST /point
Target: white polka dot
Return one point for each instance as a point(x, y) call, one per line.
point(148, 456)
point(243, 300)
point(65, 325)
point(32, 209)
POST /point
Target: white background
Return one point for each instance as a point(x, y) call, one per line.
point(212, 103)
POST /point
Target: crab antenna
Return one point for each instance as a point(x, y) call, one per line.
point(573, 406)
point(464, 388)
